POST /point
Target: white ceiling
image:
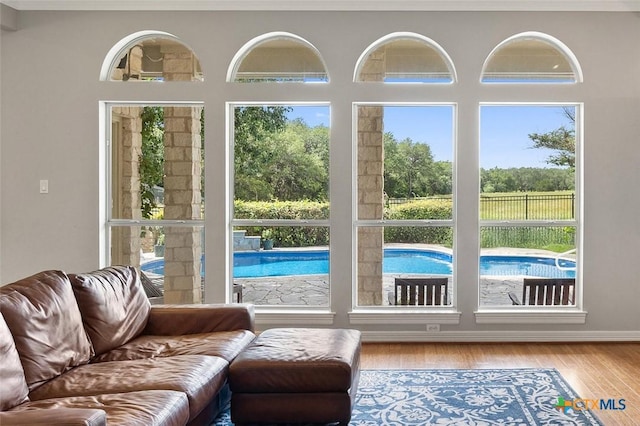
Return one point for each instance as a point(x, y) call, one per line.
point(344, 5)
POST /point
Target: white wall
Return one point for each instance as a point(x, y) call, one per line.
point(1, 34)
point(51, 92)
point(8, 22)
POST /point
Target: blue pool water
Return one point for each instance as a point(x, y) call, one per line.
point(252, 264)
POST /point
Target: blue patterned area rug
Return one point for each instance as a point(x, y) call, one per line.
point(462, 397)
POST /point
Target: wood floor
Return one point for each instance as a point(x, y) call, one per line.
point(594, 370)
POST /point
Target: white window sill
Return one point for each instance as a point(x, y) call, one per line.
point(379, 316)
point(531, 316)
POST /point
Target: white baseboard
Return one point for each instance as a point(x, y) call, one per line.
point(501, 336)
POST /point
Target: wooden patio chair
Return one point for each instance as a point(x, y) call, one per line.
point(420, 291)
point(546, 291)
point(152, 288)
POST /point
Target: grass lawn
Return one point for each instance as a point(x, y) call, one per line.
point(558, 205)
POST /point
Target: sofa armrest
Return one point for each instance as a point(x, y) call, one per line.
point(54, 416)
point(177, 320)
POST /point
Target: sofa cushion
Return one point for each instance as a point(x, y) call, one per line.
point(225, 344)
point(14, 385)
point(200, 377)
point(154, 407)
point(44, 319)
point(114, 306)
point(178, 320)
point(298, 360)
point(59, 417)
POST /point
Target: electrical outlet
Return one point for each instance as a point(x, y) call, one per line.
point(433, 328)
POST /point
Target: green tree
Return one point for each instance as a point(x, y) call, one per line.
point(253, 125)
point(522, 179)
point(393, 183)
point(316, 140)
point(562, 140)
point(277, 159)
point(254, 121)
point(409, 169)
point(418, 167)
point(442, 183)
point(296, 170)
point(151, 161)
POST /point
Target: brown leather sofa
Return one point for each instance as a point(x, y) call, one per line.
point(89, 349)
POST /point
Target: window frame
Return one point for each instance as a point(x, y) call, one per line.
point(111, 223)
point(320, 314)
point(573, 314)
point(446, 314)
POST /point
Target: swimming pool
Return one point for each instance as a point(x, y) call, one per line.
point(254, 264)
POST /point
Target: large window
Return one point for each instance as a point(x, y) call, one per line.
point(280, 179)
point(399, 235)
point(405, 217)
point(281, 206)
point(529, 220)
point(155, 170)
point(156, 212)
point(529, 204)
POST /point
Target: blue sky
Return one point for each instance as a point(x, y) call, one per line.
point(504, 130)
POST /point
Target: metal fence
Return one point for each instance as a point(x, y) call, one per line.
point(397, 201)
point(526, 206)
point(515, 207)
point(527, 236)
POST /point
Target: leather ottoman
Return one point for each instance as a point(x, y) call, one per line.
point(296, 375)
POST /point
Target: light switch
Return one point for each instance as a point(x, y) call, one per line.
point(44, 186)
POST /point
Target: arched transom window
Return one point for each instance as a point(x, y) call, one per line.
point(278, 57)
point(151, 56)
point(531, 57)
point(405, 58)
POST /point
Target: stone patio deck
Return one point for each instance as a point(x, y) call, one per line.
point(313, 290)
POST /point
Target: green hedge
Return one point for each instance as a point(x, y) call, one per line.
point(419, 210)
point(287, 236)
point(299, 210)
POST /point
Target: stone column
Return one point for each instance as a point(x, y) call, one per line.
point(371, 188)
point(182, 197)
point(178, 63)
point(126, 186)
point(182, 190)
